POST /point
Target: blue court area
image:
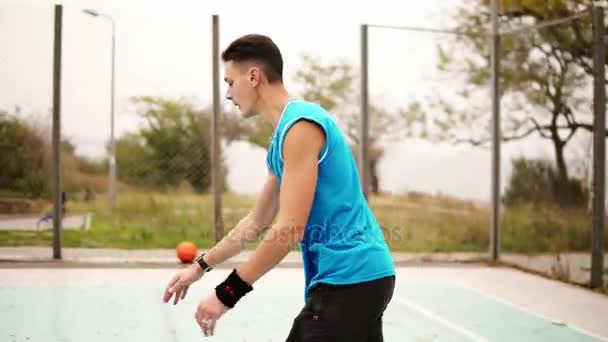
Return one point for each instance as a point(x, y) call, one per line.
point(431, 304)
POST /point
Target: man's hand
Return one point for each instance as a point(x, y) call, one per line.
point(208, 312)
point(181, 281)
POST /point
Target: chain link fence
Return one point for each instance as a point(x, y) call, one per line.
point(415, 104)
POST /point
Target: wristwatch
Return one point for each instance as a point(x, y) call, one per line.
point(203, 264)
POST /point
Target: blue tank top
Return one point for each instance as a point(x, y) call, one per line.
point(342, 243)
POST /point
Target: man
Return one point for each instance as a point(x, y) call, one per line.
point(313, 179)
point(48, 216)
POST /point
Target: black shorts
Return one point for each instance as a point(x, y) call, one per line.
point(350, 313)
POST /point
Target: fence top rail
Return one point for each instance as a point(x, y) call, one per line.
point(537, 26)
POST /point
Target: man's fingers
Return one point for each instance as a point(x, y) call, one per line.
point(207, 325)
point(168, 295)
point(169, 289)
point(205, 321)
point(211, 327)
point(197, 317)
point(202, 321)
point(172, 282)
point(185, 291)
point(178, 295)
point(204, 328)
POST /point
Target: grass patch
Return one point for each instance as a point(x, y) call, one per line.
point(141, 220)
point(422, 223)
point(412, 222)
point(540, 229)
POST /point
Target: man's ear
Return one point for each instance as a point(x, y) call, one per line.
point(254, 76)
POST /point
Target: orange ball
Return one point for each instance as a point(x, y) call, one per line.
point(186, 251)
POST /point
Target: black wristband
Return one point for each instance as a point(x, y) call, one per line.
point(231, 290)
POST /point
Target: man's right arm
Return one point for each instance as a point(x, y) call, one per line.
point(248, 229)
point(250, 226)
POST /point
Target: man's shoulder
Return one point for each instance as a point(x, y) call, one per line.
point(305, 107)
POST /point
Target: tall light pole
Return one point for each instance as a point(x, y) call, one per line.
point(112, 158)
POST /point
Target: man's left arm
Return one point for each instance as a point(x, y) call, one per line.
point(301, 149)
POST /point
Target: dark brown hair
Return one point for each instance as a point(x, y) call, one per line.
point(260, 49)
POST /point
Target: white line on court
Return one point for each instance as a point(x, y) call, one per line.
point(516, 306)
point(441, 320)
point(170, 323)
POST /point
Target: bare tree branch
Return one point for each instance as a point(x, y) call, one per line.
point(540, 128)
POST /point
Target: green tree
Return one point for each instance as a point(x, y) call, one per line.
point(575, 41)
point(533, 181)
point(171, 147)
point(544, 75)
point(25, 159)
point(134, 161)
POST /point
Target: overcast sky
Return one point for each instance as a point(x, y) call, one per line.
point(163, 48)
